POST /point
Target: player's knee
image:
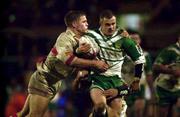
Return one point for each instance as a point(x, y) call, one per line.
point(19, 114)
point(118, 111)
point(119, 106)
point(35, 115)
point(22, 113)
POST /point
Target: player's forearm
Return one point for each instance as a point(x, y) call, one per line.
point(162, 69)
point(83, 63)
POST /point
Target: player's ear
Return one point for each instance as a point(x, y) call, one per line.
point(74, 24)
point(100, 21)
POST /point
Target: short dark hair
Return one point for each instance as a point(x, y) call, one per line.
point(106, 14)
point(72, 16)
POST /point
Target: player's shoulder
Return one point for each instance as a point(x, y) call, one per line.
point(63, 34)
point(172, 47)
point(93, 33)
point(68, 34)
point(169, 49)
point(128, 40)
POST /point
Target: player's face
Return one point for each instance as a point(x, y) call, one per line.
point(108, 26)
point(82, 25)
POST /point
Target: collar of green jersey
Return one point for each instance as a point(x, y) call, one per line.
point(106, 38)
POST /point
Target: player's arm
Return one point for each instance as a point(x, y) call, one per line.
point(83, 48)
point(161, 64)
point(118, 91)
point(135, 52)
point(124, 33)
point(84, 63)
point(65, 53)
point(81, 75)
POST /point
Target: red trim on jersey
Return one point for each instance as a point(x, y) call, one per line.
point(14, 115)
point(69, 60)
point(54, 51)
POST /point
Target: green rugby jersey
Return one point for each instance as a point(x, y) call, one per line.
point(170, 57)
point(113, 50)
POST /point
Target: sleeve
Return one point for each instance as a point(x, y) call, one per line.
point(64, 47)
point(133, 50)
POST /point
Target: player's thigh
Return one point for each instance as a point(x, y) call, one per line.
point(139, 104)
point(117, 107)
point(97, 96)
point(25, 108)
point(38, 104)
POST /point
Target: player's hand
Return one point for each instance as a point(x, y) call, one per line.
point(111, 93)
point(75, 84)
point(118, 91)
point(80, 75)
point(100, 65)
point(83, 48)
point(83, 73)
point(176, 73)
point(135, 85)
point(125, 33)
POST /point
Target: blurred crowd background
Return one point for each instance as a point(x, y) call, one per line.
point(29, 28)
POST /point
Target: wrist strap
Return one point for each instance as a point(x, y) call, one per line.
point(123, 90)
